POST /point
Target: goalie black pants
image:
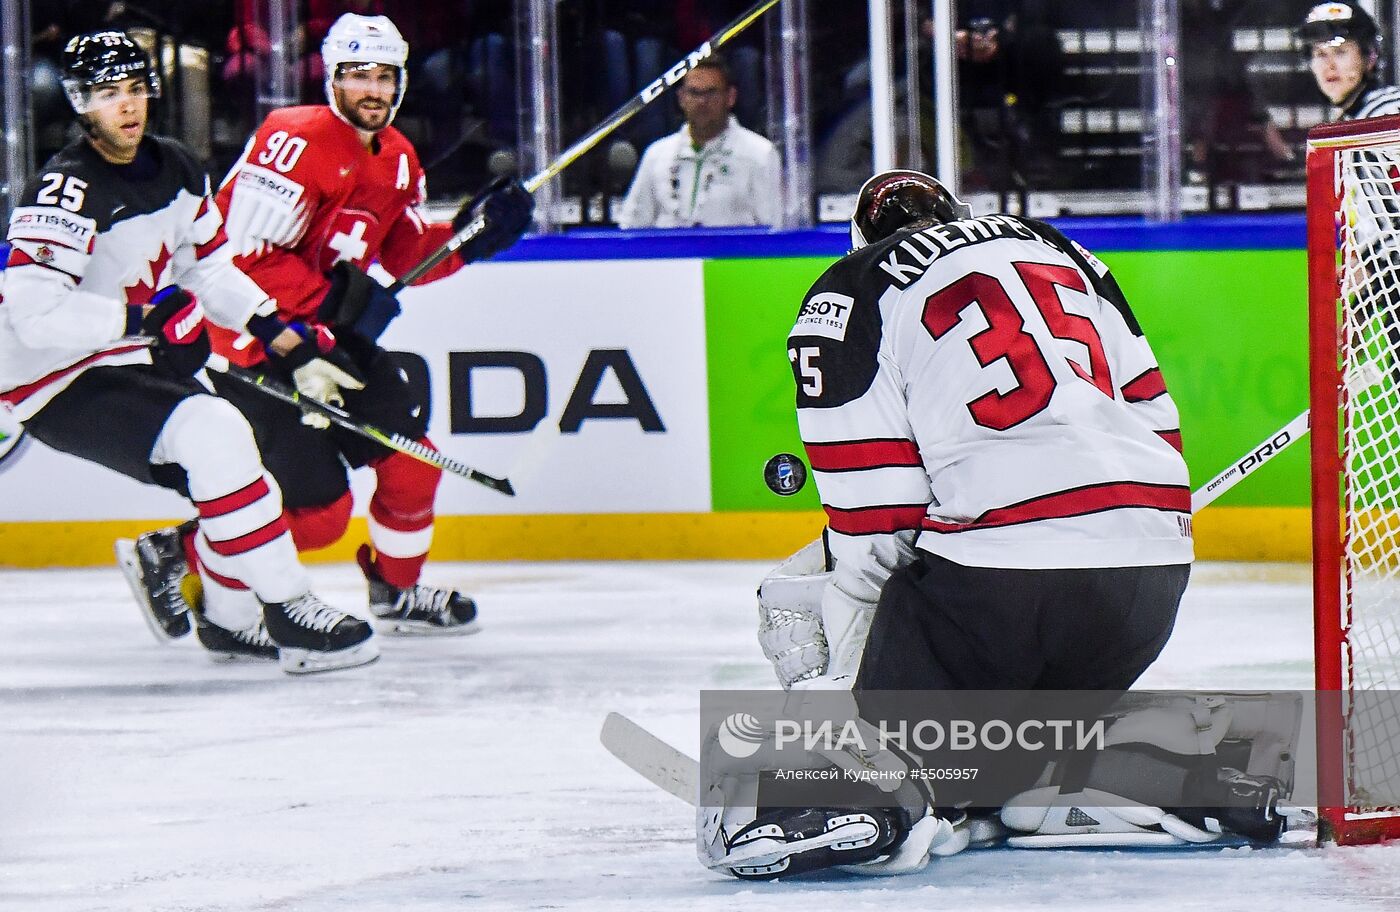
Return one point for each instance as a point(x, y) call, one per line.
point(943, 626)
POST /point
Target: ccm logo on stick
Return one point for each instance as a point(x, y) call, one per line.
point(582, 406)
point(676, 73)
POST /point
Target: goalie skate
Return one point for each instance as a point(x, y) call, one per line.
point(312, 636)
point(784, 842)
point(417, 610)
point(154, 565)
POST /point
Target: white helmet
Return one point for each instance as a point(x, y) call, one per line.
point(364, 39)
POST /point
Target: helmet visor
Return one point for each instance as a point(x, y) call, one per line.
point(86, 97)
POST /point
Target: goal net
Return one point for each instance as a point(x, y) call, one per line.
point(1353, 219)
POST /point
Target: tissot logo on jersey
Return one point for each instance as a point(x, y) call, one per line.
point(825, 315)
point(260, 180)
point(42, 223)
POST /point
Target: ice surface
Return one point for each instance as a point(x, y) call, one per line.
point(467, 774)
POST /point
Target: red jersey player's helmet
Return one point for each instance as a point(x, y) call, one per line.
point(359, 40)
point(893, 200)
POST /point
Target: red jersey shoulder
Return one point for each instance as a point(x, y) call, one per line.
point(312, 122)
point(309, 144)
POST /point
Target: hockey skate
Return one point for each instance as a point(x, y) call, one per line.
point(223, 645)
point(312, 636)
point(418, 610)
point(154, 566)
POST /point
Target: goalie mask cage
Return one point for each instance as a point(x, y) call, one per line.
point(1353, 227)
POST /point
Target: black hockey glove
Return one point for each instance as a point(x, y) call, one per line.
point(320, 369)
point(508, 208)
point(357, 302)
point(176, 322)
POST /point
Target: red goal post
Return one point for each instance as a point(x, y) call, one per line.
point(1353, 230)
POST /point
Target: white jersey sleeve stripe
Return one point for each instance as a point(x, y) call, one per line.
point(854, 455)
point(66, 260)
point(876, 520)
point(1145, 387)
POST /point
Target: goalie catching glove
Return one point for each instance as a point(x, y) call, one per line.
point(790, 615)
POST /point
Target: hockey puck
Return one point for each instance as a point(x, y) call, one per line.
point(785, 474)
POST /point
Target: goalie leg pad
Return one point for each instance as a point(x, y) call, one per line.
point(1186, 771)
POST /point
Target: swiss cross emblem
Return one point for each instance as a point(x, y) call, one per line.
point(348, 239)
point(349, 245)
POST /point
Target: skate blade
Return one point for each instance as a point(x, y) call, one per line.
point(393, 627)
point(130, 567)
point(222, 657)
point(311, 661)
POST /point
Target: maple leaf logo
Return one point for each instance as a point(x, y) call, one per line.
point(149, 282)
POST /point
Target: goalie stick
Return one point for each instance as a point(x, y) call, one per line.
point(629, 109)
point(656, 761)
point(1366, 376)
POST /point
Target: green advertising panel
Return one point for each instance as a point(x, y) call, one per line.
point(1228, 326)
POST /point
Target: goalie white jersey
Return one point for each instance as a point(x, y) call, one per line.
point(982, 389)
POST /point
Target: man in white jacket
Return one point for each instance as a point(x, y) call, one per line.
point(711, 172)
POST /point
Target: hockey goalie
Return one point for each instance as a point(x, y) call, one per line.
point(1007, 509)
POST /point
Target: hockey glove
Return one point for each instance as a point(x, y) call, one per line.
point(176, 322)
point(357, 302)
point(320, 370)
point(508, 208)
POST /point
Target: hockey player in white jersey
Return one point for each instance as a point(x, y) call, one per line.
point(1007, 507)
point(117, 254)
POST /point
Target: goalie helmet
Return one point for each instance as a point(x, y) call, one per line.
point(1338, 22)
point(358, 40)
point(893, 200)
point(101, 57)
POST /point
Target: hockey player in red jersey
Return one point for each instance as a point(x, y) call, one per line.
point(320, 194)
point(1007, 510)
point(117, 253)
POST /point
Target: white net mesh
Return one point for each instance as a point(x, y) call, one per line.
point(1369, 236)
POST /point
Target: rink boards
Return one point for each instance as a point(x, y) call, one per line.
point(633, 397)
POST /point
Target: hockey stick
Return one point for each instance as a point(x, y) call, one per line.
point(1365, 377)
point(1285, 437)
point(656, 761)
point(341, 418)
point(630, 108)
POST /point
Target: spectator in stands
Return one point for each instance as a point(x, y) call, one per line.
point(1226, 116)
point(1009, 67)
point(712, 172)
